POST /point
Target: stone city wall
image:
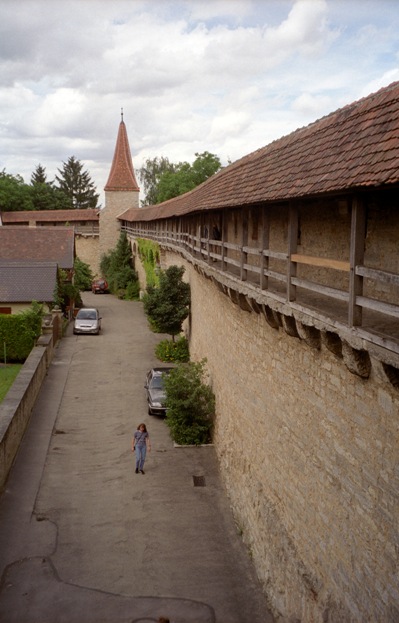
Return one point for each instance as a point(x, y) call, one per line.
point(308, 453)
point(116, 202)
point(87, 250)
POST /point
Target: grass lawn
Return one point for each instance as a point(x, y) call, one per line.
point(7, 376)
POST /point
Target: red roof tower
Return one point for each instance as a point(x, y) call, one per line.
point(122, 176)
point(121, 192)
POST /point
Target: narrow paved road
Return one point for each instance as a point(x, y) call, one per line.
point(83, 538)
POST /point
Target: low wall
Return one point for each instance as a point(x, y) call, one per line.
point(16, 408)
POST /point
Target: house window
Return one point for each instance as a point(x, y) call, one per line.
point(5, 310)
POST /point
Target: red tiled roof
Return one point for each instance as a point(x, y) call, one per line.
point(355, 147)
point(23, 282)
point(49, 244)
point(52, 216)
point(122, 176)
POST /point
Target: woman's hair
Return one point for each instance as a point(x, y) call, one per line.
point(140, 425)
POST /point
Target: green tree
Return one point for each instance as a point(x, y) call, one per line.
point(150, 174)
point(116, 266)
point(163, 180)
point(46, 196)
point(66, 293)
point(39, 175)
point(205, 165)
point(15, 195)
point(77, 184)
point(168, 305)
point(83, 275)
point(186, 176)
point(190, 402)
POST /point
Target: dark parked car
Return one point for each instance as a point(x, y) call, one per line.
point(99, 286)
point(156, 395)
point(88, 320)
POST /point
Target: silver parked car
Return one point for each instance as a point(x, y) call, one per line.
point(88, 320)
point(156, 395)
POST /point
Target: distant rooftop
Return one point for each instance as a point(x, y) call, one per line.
point(47, 244)
point(23, 282)
point(53, 216)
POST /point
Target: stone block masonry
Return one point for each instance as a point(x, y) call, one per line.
point(87, 250)
point(116, 202)
point(309, 453)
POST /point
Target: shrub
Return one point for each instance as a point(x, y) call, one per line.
point(19, 332)
point(132, 292)
point(175, 352)
point(190, 403)
point(83, 275)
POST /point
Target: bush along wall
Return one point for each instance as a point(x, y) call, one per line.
point(19, 332)
point(191, 404)
point(173, 352)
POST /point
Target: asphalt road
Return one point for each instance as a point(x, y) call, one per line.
point(83, 539)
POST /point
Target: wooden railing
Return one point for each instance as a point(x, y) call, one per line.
point(87, 230)
point(345, 306)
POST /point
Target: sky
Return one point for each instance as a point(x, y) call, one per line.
point(223, 76)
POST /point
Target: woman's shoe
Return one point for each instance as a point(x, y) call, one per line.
point(142, 471)
point(137, 471)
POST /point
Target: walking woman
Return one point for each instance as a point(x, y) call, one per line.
point(140, 443)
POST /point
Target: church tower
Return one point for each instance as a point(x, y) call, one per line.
point(121, 191)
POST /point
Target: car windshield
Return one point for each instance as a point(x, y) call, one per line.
point(87, 314)
point(157, 382)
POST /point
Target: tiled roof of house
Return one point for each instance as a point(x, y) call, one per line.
point(47, 244)
point(23, 282)
point(52, 216)
point(122, 176)
point(355, 147)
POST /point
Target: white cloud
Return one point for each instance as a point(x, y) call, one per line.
point(226, 76)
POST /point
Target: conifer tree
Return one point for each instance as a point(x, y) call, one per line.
point(39, 175)
point(116, 266)
point(168, 305)
point(77, 184)
point(46, 196)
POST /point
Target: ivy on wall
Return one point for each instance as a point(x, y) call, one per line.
point(150, 256)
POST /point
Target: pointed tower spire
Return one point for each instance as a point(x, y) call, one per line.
point(122, 176)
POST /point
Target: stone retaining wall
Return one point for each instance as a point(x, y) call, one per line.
point(16, 408)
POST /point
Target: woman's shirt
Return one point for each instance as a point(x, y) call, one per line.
point(140, 437)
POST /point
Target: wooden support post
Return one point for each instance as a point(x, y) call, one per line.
point(244, 243)
point(200, 229)
point(208, 233)
point(264, 246)
point(224, 239)
point(358, 234)
point(292, 248)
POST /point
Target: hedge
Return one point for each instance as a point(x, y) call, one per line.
point(18, 334)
